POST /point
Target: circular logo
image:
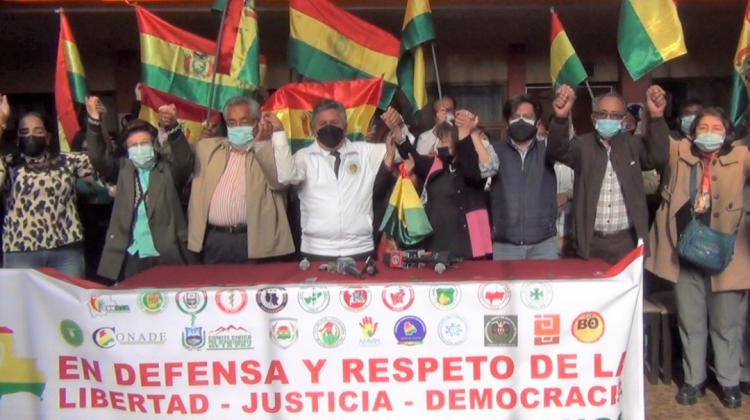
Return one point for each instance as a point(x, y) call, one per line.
point(353, 168)
point(501, 331)
point(355, 298)
point(329, 332)
point(104, 337)
point(71, 333)
point(536, 295)
point(192, 302)
point(153, 303)
point(272, 299)
point(453, 330)
point(410, 331)
point(231, 301)
point(588, 327)
point(398, 297)
point(313, 299)
point(445, 297)
point(494, 296)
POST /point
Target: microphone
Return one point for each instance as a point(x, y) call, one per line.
point(370, 268)
point(440, 268)
point(347, 266)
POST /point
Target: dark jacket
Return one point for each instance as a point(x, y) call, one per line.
point(166, 217)
point(630, 155)
point(469, 188)
point(524, 195)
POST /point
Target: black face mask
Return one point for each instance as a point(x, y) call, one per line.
point(444, 154)
point(33, 146)
point(330, 136)
point(521, 131)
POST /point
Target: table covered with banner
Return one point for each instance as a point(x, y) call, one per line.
point(530, 340)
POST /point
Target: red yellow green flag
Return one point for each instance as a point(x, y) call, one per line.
point(328, 44)
point(70, 84)
point(239, 53)
point(650, 33)
point(416, 31)
point(405, 218)
point(741, 76)
point(189, 115)
point(565, 66)
point(17, 374)
point(293, 105)
point(181, 64)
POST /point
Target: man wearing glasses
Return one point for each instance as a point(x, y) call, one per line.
point(609, 199)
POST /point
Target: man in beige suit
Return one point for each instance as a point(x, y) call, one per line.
point(237, 210)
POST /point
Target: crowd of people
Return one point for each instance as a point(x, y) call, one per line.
point(541, 192)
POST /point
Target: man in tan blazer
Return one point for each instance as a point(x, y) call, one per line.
point(237, 210)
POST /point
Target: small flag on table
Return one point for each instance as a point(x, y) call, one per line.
point(293, 105)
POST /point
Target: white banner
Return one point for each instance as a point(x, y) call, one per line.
point(532, 350)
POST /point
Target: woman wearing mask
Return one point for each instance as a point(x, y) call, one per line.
point(705, 191)
point(147, 227)
point(41, 226)
point(453, 191)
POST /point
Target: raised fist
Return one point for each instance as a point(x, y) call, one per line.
point(93, 107)
point(656, 101)
point(564, 101)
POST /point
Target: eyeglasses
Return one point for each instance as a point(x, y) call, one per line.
point(603, 115)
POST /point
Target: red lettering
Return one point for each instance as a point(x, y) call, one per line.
point(172, 371)
point(509, 367)
point(276, 373)
point(195, 374)
point(344, 404)
point(426, 365)
point(567, 366)
point(480, 401)
point(98, 398)
point(67, 367)
point(353, 367)
point(450, 365)
point(378, 366)
point(124, 374)
point(552, 396)
point(381, 402)
point(91, 370)
point(176, 405)
point(477, 361)
point(82, 397)
point(149, 370)
point(314, 369)
point(402, 365)
point(294, 403)
point(228, 374)
point(456, 399)
point(156, 400)
point(117, 399)
point(250, 367)
point(314, 396)
point(545, 371)
point(593, 400)
point(575, 397)
point(194, 407)
point(501, 400)
point(525, 403)
point(435, 400)
point(621, 365)
point(136, 400)
point(64, 399)
point(598, 370)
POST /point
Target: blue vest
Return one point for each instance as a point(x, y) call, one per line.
point(524, 195)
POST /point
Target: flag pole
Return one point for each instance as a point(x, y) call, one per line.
point(591, 92)
point(437, 73)
point(212, 88)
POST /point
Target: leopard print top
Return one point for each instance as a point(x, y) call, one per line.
point(40, 202)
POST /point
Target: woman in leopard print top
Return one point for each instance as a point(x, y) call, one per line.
point(41, 226)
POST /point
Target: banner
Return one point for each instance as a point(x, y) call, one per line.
point(533, 350)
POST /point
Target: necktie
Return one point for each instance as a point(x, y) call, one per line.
point(337, 164)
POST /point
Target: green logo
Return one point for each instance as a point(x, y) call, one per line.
point(153, 303)
point(71, 333)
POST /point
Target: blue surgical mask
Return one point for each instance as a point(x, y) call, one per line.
point(686, 122)
point(708, 142)
point(142, 156)
point(608, 128)
point(240, 136)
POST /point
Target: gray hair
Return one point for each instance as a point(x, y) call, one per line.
point(243, 100)
point(325, 105)
point(595, 105)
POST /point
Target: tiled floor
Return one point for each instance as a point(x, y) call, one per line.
point(660, 405)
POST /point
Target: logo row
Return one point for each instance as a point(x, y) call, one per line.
point(315, 299)
point(330, 332)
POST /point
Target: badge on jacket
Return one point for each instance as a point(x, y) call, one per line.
point(353, 168)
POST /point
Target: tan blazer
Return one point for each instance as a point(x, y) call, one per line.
point(268, 230)
point(728, 175)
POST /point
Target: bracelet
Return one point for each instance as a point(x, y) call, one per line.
point(173, 130)
point(94, 122)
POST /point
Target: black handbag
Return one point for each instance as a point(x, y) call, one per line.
point(702, 246)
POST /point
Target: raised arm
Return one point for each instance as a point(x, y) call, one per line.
point(654, 151)
point(104, 163)
point(289, 170)
point(4, 113)
point(559, 145)
point(182, 158)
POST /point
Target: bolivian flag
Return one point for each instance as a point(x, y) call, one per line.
point(741, 76)
point(293, 105)
point(180, 63)
point(189, 115)
point(565, 66)
point(17, 374)
point(416, 30)
point(70, 84)
point(405, 219)
point(239, 53)
point(650, 33)
point(263, 71)
point(328, 44)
